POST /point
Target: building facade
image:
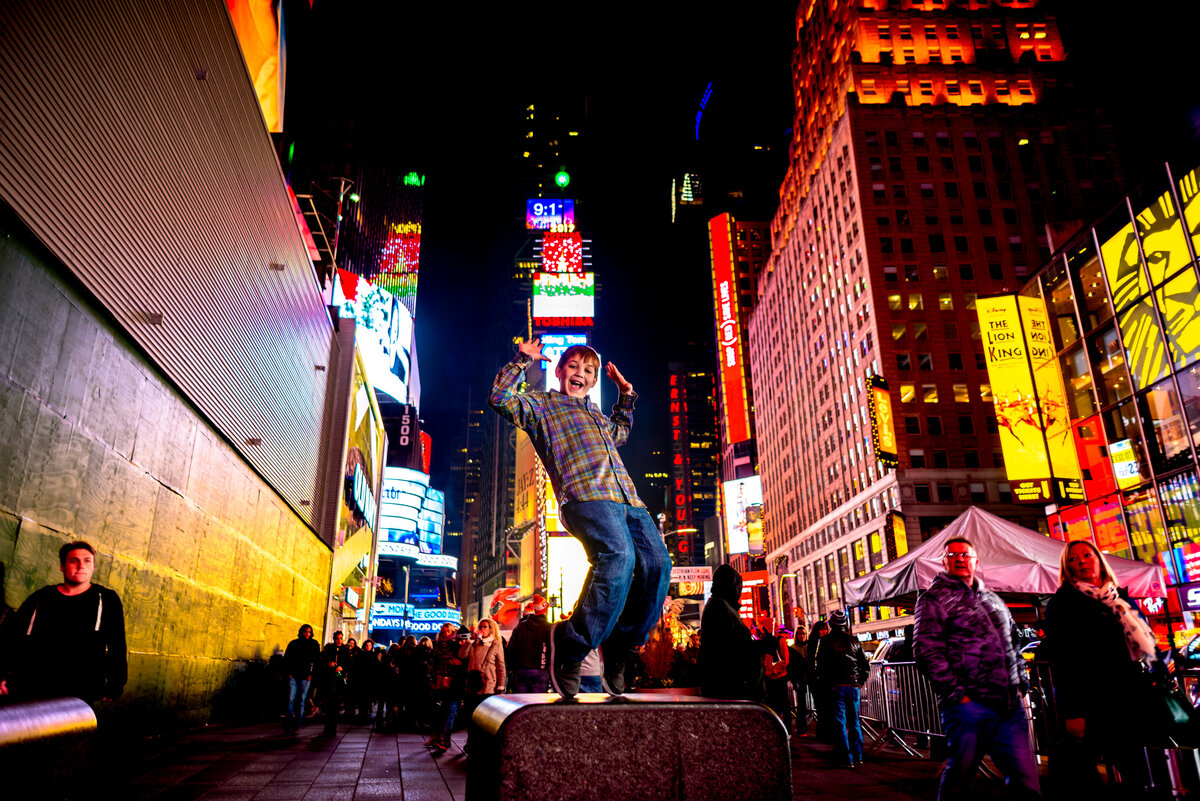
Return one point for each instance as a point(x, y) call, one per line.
point(931, 149)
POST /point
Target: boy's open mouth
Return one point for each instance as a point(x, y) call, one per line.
point(576, 383)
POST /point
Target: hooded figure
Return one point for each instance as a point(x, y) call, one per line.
point(730, 665)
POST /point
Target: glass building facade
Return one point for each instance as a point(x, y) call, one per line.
point(1124, 302)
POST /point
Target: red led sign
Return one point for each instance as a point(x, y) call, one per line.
point(729, 335)
point(562, 252)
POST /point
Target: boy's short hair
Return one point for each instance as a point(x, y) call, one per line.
point(73, 546)
point(588, 353)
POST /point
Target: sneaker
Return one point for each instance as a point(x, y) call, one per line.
point(564, 675)
point(613, 676)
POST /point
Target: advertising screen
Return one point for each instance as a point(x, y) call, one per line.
point(385, 332)
point(734, 406)
point(1039, 450)
point(567, 568)
point(743, 515)
point(541, 213)
point(410, 512)
point(562, 252)
point(564, 295)
point(554, 345)
point(525, 509)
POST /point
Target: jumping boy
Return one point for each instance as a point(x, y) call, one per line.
point(623, 593)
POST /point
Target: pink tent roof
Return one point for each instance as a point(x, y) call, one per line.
point(1013, 561)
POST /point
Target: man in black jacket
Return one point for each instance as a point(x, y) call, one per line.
point(843, 668)
point(965, 643)
point(82, 617)
point(300, 660)
point(730, 663)
point(528, 653)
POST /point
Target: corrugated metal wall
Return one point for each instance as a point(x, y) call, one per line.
point(133, 146)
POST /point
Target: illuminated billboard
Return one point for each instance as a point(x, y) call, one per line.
point(410, 512)
point(566, 569)
point(385, 332)
point(1030, 400)
point(542, 214)
point(883, 423)
point(734, 406)
point(257, 29)
point(743, 515)
point(400, 262)
point(562, 252)
point(554, 346)
point(564, 295)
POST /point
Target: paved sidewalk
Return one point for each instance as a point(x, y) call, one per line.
point(240, 763)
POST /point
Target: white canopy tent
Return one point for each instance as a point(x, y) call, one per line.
point(1013, 561)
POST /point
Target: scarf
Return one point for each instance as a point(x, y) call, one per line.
point(1139, 639)
point(488, 640)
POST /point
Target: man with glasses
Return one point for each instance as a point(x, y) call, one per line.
point(965, 642)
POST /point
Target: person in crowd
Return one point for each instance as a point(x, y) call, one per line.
point(483, 656)
point(335, 661)
point(904, 651)
point(630, 571)
point(1098, 647)
point(775, 664)
point(77, 614)
point(826, 732)
point(797, 674)
point(843, 669)
point(390, 690)
point(964, 642)
point(366, 677)
point(300, 660)
point(730, 662)
point(528, 655)
point(420, 701)
point(448, 680)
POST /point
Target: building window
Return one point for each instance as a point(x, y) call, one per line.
point(992, 428)
point(929, 393)
point(903, 361)
point(916, 457)
point(887, 246)
point(961, 394)
point(939, 272)
point(940, 460)
point(921, 493)
point(908, 393)
point(966, 423)
point(889, 273)
point(1003, 491)
point(912, 425)
point(895, 302)
point(915, 301)
point(920, 331)
point(954, 361)
point(978, 491)
point(945, 301)
point(960, 244)
point(971, 459)
point(925, 362)
point(985, 393)
point(933, 425)
point(926, 190)
point(966, 272)
point(945, 493)
point(898, 332)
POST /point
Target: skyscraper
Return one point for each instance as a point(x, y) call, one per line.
point(933, 151)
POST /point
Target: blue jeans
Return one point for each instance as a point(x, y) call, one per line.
point(623, 593)
point(297, 696)
point(973, 730)
point(848, 742)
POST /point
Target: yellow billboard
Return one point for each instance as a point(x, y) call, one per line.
point(525, 509)
point(883, 423)
point(1030, 399)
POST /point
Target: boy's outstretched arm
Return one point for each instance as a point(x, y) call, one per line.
point(512, 406)
point(622, 411)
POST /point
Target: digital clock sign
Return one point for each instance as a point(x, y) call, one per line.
point(542, 214)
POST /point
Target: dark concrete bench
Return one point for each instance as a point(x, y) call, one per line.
point(641, 746)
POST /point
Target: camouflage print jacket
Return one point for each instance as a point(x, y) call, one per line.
point(965, 643)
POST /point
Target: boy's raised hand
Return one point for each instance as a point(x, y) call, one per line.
point(624, 386)
point(533, 349)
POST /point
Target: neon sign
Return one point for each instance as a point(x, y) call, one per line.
point(542, 214)
point(562, 252)
point(734, 406)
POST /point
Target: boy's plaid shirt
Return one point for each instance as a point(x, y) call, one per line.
point(576, 442)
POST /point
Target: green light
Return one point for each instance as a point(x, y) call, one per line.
point(291, 152)
point(354, 197)
point(414, 179)
point(562, 179)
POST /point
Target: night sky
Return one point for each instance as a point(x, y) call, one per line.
point(440, 89)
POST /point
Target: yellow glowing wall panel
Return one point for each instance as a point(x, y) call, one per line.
point(553, 523)
point(257, 31)
point(1179, 304)
point(568, 566)
point(525, 508)
point(1144, 349)
point(1163, 243)
point(1016, 337)
point(528, 561)
point(1189, 198)
point(900, 533)
point(1123, 268)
